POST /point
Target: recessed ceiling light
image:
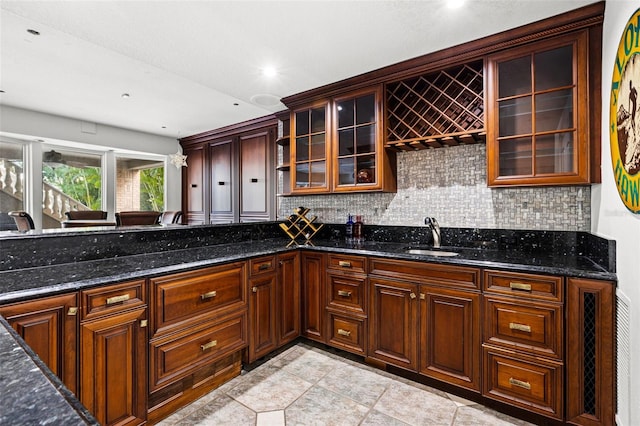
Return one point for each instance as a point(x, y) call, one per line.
point(269, 71)
point(164, 127)
point(2, 91)
point(125, 96)
point(455, 4)
point(235, 104)
point(33, 32)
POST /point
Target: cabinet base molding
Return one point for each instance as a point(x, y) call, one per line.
point(166, 401)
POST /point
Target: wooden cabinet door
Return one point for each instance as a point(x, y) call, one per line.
point(450, 336)
point(313, 296)
point(256, 170)
point(113, 368)
point(49, 326)
point(194, 189)
point(262, 311)
point(223, 190)
point(393, 322)
point(288, 297)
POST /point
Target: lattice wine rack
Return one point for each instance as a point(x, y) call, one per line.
point(298, 226)
point(437, 109)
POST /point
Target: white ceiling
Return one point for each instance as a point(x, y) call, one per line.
point(186, 63)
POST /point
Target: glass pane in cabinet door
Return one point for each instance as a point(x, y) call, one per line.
point(317, 173)
point(302, 148)
point(366, 169)
point(346, 174)
point(366, 109)
point(317, 147)
point(554, 110)
point(515, 157)
point(554, 153)
point(302, 175)
point(345, 113)
point(345, 142)
point(302, 123)
point(554, 68)
point(514, 77)
point(366, 139)
point(515, 116)
point(317, 120)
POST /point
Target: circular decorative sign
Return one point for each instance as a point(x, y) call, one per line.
point(624, 115)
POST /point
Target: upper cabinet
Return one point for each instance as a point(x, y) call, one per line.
point(337, 145)
point(538, 113)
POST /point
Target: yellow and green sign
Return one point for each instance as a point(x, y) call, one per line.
point(624, 117)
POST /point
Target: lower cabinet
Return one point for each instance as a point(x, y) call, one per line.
point(288, 297)
point(312, 272)
point(262, 308)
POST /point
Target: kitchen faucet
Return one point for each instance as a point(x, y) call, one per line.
point(432, 223)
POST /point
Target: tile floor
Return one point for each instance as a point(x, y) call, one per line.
point(306, 385)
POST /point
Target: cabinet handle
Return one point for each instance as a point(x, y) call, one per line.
point(254, 289)
point(344, 264)
point(344, 332)
point(519, 286)
point(143, 323)
point(117, 299)
point(72, 311)
point(520, 327)
point(264, 266)
point(209, 345)
point(344, 293)
point(520, 383)
point(422, 296)
point(412, 295)
point(208, 295)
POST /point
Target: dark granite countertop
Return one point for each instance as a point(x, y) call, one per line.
point(31, 394)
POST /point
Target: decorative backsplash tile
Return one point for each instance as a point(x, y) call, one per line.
point(450, 185)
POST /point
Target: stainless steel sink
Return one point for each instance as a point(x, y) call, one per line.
point(432, 252)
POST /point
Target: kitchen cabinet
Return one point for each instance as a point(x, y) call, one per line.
point(231, 173)
point(312, 274)
point(113, 356)
point(538, 116)
point(262, 307)
point(50, 327)
point(283, 154)
point(289, 295)
point(337, 145)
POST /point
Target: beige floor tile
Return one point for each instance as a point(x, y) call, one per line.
point(312, 366)
point(322, 407)
point(459, 401)
point(221, 411)
point(478, 415)
point(362, 386)
point(271, 418)
point(415, 406)
point(376, 418)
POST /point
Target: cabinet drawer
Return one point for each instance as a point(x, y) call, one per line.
point(524, 381)
point(346, 263)
point(347, 333)
point(545, 287)
point(102, 301)
point(346, 293)
point(179, 298)
point(178, 355)
point(426, 273)
point(262, 265)
point(534, 328)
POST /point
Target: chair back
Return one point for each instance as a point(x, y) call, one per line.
point(169, 217)
point(86, 215)
point(137, 218)
point(24, 222)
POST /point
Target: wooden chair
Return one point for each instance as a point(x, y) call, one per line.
point(86, 215)
point(169, 217)
point(137, 218)
point(24, 222)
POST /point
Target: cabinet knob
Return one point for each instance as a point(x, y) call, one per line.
point(72, 311)
point(143, 323)
point(254, 289)
point(412, 295)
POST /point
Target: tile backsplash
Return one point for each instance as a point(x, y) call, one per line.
point(450, 185)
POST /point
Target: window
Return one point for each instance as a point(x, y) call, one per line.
point(11, 181)
point(139, 184)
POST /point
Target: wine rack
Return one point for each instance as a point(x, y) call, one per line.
point(299, 227)
point(443, 108)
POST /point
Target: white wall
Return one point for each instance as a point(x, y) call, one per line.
point(37, 125)
point(611, 219)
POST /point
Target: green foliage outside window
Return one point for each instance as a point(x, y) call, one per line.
point(82, 184)
point(152, 189)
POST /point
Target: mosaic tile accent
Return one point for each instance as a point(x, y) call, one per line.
point(450, 184)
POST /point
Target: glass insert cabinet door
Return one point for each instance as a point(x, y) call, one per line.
point(536, 122)
point(310, 149)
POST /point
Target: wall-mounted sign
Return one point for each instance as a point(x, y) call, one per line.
point(624, 117)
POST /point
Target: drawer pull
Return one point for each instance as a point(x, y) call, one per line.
point(344, 264)
point(520, 383)
point(208, 295)
point(520, 327)
point(264, 266)
point(342, 332)
point(117, 299)
point(344, 293)
point(72, 311)
point(519, 286)
point(209, 345)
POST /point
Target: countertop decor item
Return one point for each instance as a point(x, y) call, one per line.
point(299, 226)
